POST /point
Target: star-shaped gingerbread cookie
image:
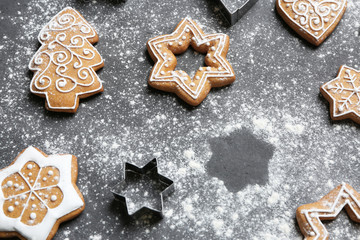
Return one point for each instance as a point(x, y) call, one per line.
point(217, 72)
point(38, 192)
point(310, 216)
point(314, 20)
point(343, 94)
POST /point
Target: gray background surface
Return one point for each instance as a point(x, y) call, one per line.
point(242, 161)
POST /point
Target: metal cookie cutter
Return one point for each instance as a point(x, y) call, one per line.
point(231, 15)
point(150, 169)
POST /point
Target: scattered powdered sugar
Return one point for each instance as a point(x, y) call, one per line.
point(218, 224)
point(296, 128)
point(189, 154)
point(95, 237)
point(273, 199)
point(260, 123)
point(275, 97)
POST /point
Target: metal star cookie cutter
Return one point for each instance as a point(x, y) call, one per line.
point(149, 168)
point(231, 15)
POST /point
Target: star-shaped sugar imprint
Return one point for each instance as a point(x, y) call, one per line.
point(309, 216)
point(37, 191)
point(312, 19)
point(343, 94)
point(217, 72)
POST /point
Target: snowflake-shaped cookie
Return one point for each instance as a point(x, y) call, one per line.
point(38, 192)
point(343, 94)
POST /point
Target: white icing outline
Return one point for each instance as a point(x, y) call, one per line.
point(36, 60)
point(315, 6)
point(71, 199)
point(335, 210)
point(330, 94)
point(200, 38)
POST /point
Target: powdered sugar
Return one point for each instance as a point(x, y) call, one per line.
point(275, 97)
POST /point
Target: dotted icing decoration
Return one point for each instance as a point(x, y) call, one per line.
point(217, 73)
point(36, 191)
point(309, 216)
point(29, 195)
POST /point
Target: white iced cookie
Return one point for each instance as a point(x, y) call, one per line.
point(38, 192)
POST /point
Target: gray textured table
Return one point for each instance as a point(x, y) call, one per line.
point(242, 161)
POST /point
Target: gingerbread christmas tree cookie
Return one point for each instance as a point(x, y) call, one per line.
point(314, 20)
point(217, 72)
point(309, 216)
point(343, 94)
point(64, 66)
point(38, 192)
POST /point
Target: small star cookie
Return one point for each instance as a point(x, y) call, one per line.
point(314, 20)
point(343, 94)
point(38, 192)
point(217, 73)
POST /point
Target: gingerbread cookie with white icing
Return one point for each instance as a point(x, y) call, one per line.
point(217, 72)
point(38, 192)
point(343, 94)
point(66, 62)
point(314, 20)
point(309, 216)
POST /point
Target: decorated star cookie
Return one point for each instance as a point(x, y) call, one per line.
point(38, 192)
point(309, 216)
point(343, 94)
point(314, 20)
point(66, 62)
point(217, 73)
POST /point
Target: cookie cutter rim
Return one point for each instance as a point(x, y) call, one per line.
point(148, 167)
point(233, 16)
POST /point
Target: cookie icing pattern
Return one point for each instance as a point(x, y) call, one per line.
point(217, 73)
point(343, 93)
point(315, 17)
point(309, 216)
point(66, 62)
point(32, 191)
point(52, 196)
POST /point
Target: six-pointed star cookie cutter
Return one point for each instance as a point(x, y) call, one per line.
point(231, 15)
point(150, 167)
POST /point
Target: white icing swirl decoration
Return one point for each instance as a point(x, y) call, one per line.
point(43, 83)
point(314, 16)
point(66, 58)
